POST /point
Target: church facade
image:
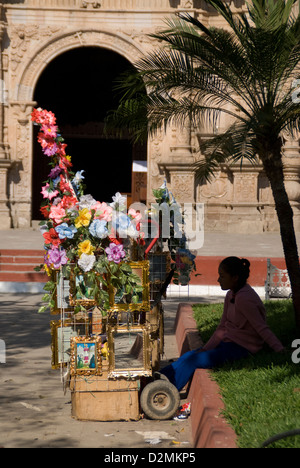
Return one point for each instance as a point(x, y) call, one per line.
point(35, 35)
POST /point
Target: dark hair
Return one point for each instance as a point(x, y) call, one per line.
point(237, 266)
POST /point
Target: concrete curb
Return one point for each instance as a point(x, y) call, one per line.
point(209, 428)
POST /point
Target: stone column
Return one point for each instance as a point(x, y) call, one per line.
point(5, 162)
point(177, 167)
point(291, 161)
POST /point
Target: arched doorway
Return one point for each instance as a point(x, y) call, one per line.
point(78, 86)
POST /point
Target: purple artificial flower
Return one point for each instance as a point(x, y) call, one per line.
point(115, 252)
point(55, 258)
point(51, 150)
point(55, 172)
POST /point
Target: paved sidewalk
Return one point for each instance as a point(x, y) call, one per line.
point(35, 412)
point(267, 244)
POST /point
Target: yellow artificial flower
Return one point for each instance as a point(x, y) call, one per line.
point(83, 218)
point(85, 247)
point(186, 260)
point(47, 269)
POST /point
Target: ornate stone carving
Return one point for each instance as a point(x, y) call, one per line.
point(90, 3)
point(186, 4)
point(245, 188)
point(21, 38)
point(219, 189)
point(183, 186)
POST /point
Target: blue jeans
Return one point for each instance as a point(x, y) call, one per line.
point(180, 371)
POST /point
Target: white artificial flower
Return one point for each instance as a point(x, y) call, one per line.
point(44, 228)
point(86, 262)
point(86, 201)
point(132, 232)
point(119, 202)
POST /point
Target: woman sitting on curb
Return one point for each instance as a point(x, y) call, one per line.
point(242, 330)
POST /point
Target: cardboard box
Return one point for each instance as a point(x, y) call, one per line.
point(97, 398)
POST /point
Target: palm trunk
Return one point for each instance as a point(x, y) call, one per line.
point(274, 170)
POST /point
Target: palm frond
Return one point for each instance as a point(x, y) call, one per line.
point(234, 145)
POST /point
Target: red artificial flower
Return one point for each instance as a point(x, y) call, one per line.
point(64, 185)
point(64, 163)
point(45, 211)
point(61, 147)
point(51, 237)
point(43, 117)
point(45, 140)
point(68, 201)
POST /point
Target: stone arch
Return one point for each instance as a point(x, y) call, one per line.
point(61, 43)
point(21, 105)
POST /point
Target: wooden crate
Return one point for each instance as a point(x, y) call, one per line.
point(98, 398)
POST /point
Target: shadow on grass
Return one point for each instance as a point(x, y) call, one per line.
point(260, 392)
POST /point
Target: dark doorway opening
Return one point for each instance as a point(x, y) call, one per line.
point(78, 86)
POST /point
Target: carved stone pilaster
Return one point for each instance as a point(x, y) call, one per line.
point(177, 168)
point(291, 153)
point(182, 181)
point(4, 209)
point(5, 162)
point(181, 144)
point(21, 171)
point(291, 161)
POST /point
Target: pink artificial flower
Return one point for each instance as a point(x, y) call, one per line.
point(135, 214)
point(48, 193)
point(102, 211)
point(48, 144)
point(50, 130)
point(115, 252)
point(57, 213)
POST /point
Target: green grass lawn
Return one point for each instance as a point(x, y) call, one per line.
point(261, 393)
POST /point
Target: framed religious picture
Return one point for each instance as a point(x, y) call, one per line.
point(61, 333)
point(129, 351)
point(86, 356)
point(136, 299)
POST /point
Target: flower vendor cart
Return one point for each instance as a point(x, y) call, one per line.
point(106, 281)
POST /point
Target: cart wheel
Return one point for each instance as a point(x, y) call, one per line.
point(160, 400)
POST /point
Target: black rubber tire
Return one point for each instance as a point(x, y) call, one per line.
point(160, 400)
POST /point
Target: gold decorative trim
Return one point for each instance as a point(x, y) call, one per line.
point(86, 356)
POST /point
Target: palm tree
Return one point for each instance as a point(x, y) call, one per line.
point(245, 71)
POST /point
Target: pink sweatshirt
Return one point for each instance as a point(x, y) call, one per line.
point(244, 323)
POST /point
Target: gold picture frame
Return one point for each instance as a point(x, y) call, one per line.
point(86, 356)
point(129, 353)
point(117, 299)
point(80, 290)
point(61, 333)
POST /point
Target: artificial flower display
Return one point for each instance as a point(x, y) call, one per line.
point(92, 239)
point(82, 235)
